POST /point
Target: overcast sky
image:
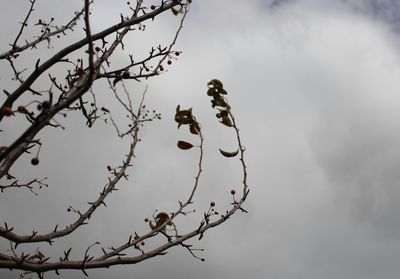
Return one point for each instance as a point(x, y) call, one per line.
point(314, 85)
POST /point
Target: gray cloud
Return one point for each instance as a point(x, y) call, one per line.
point(314, 85)
point(385, 10)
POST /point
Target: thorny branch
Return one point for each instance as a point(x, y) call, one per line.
point(31, 185)
point(126, 24)
point(79, 88)
point(15, 49)
point(23, 24)
point(116, 256)
point(73, 95)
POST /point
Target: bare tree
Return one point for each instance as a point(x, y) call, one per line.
point(75, 92)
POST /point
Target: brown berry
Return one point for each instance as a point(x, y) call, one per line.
point(126, 74)
point(35, 161)
point(177, 53)
point(7, 111)
point(46, 105)
point(146, 220)
point(169, 62)
point(22, 109)
point(212, 204)
point(233, 192)
point(81, 72)
point(161, 68)
point(152, 7)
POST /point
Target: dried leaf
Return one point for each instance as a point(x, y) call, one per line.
point(222, 91)
point(215, 83)
point(226, 121)
point(194, 128)
point(222, 113)
point(184, 145)
point(183, 117)
point(211, 92)
point(229, 154)
point(161, 218)
point(176, 11)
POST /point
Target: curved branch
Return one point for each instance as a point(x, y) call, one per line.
point(114, 257)
point(40, 69)
point(8, 234)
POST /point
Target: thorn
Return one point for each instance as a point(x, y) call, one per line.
point(84, 272)
point(37, 64)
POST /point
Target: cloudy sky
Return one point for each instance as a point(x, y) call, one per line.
point(314, 85)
